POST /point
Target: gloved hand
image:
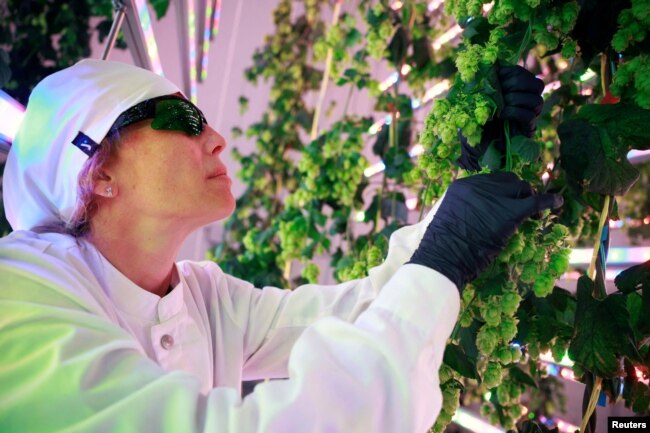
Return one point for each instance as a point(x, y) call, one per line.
point(477, 216)
point(521, 92)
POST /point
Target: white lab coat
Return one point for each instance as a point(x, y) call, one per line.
point(82, 349)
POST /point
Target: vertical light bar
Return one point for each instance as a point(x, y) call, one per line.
point(139, 36)
point(215, 18)
point(209, 12)
point(191, 28)
point(150, 39)
point(185, 20)
point(11, 113)
point(203, 17)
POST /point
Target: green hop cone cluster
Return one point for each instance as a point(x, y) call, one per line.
point(633, 25)
point(450, 403)
point(380, 34)
point(493, 374)
point(466, 113)
point(292, 236)
point(633, 77)
point(311, 272)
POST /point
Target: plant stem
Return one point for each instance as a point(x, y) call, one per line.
point(326, 75)
point(319, 107)
point(347, 101)
point(506, 132)
point(423, 194)
point(515, 60)
point(524, 42)
point(604, 73)
point(454, 333)
point(604, 217)
point(593, 399)
point(392, 142)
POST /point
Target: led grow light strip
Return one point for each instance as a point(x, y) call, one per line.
point(140, 37)
point(581, 256)
point(149, 37)
point(191, 24)
point(466, 419)
point(637, 156)
point(447, 36)
point(548, 357)
point(11, 113)
point(212, 15)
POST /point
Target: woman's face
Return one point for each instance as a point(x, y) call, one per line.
point(172, 176)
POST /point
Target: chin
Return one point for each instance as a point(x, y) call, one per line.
point(224, 210)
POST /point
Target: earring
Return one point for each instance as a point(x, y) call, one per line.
point(109, 191)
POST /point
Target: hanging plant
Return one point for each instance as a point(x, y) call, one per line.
point(513, 312)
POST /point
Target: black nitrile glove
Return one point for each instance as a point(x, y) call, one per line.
point(521, 92)
point(477, 216)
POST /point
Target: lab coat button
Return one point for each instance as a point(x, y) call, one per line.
point(166, 341)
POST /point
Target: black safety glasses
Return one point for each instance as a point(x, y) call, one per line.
point(170, 112)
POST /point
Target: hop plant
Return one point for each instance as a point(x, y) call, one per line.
point(487, 339)
point(493, 374)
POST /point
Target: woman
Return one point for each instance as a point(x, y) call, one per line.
point(101, 330)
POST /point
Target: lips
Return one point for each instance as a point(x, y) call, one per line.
point(221, 172)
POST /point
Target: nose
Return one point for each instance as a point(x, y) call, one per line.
point(215, 144)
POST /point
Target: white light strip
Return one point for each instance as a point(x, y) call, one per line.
point(139, 36)
point(435, 4)
point(588, 75)
point(191, 28)
point(548, 357)
point(436, 90)
point(582, 256)
point(150, 39)
point(637, 156)
point(388, 82)
point(11, 113)
point(374, 169)
point(610, 274)
point(553, 85)
point(566, 427)
point(466, 419)
point(447, 36)
point(411, 203)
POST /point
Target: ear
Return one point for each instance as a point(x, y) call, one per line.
point(105, 185)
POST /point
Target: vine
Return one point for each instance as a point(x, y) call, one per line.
point(513, 313)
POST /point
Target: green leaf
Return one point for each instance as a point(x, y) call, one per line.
point(352, 37)
point(394, 206)
point(398, 46)
point(602, 331)
point(522, 377)
point(397, 161)
point(476, 29)
point(243, 104)
point(527, 148)
point(635, 393)
point(422, 52)
point(456, 359)
point(491, 158)
point(160, 7)
point(634, 278)
point(5, 70)
point(594, 146)
point(534, 427)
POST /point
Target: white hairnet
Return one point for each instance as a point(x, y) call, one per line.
point(40, 178)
